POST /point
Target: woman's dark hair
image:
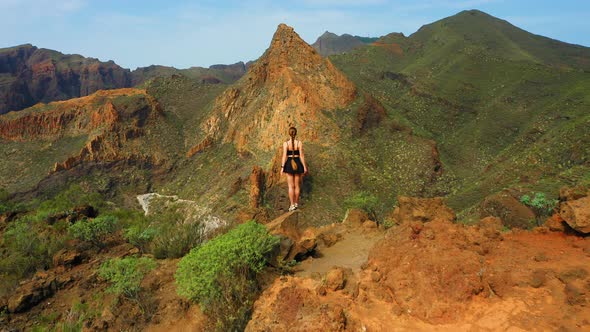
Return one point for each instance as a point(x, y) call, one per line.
point(293, 133)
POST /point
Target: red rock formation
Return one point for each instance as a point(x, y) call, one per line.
point(256, 187)
point(41, 75)
point(67, 118)
point(291, 84)
point(577, 214)
point(96, 116)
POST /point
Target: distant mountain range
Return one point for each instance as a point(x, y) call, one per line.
point(329, 43)
point(29, 75)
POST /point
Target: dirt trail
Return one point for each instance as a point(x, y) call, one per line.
point(351, 251)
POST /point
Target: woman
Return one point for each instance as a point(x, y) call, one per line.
point(293, 164)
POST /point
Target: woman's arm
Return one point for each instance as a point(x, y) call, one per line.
point(302, 157)
point(284, 159)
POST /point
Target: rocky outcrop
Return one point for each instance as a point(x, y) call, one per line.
point(256, 187)
point(290, 85)
point(192, 213)
point(296, 243)
point(292, 305)
point(40, 287)
point(369, 115)
point(76, 116)
point(413, 209)
point(111, 120)
point(438, 274)
point(40, 75)
point(506, 207)
point(576, 214)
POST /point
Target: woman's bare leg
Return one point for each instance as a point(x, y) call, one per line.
point(296, 182)
point(291, 183)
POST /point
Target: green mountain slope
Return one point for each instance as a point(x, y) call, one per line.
point(507, 108)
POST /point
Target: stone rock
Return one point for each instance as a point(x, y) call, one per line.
point(555, 223)
point(303, 243)
point(85, 211)
point(329, 238)
point(504, 206)
point(369, 224)
point(577, 214)
point(27, 295)
point(575, 294)
point(256, 187)
point(413, 209)
point(335, 279)
point(67, 258)
point(288, 305)
point(355, 217)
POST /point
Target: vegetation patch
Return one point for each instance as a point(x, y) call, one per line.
point(126, 274)
point(221, 274)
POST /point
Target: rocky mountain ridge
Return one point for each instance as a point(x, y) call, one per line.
point(30, 75)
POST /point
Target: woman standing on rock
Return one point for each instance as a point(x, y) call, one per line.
point(293, 164)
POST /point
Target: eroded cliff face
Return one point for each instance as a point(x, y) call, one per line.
point(290, 85)
point(112, 121)
point(32, 75)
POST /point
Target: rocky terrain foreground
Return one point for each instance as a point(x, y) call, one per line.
point(428, 273)
point(423, 273)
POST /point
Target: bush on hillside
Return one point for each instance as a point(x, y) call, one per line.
point(540, 203)
point(174, 240)
point(94, 230)
point(221, 274)
point(126, 274)
point(165, 235)
point(28, 245)
point(140, 236)
point(364, 201)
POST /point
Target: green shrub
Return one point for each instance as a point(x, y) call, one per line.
point(174, 240)
point(221, 274)
point(28, 245)
point(364, 201)
point(125, 274)
point(140, 236)
point(540, 204)
point(95, 230)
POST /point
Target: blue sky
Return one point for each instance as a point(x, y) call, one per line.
point(201, 33)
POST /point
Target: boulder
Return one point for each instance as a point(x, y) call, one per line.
point(555, 223)
point(355, 217)
point(302, 243)
point(335, 279)
point(577, 214)
point(41, 286)
point(67, 258)
point(504, 206)
point(413, 209)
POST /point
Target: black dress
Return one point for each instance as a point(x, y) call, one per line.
point(293, 155)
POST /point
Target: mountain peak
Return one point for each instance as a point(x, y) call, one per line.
point(290, 85)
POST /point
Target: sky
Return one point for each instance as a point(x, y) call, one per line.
point(202, 33)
